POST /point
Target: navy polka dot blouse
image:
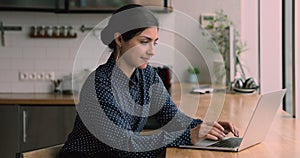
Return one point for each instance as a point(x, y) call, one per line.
point(114, 109)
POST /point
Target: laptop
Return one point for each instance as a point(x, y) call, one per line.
point(256, 131)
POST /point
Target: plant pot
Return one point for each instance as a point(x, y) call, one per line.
point(192, 78)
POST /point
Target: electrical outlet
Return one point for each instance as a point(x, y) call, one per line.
point(49, 76)
point(32, 76)
point(23, 76)
point(36, 76)
point(40, 76)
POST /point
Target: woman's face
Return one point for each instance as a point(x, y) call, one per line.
point(137, 52)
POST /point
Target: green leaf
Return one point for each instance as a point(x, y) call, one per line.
point(194, 70)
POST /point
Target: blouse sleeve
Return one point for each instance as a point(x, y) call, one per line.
point(170, 116)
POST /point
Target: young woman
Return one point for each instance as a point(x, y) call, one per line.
point(119, 96)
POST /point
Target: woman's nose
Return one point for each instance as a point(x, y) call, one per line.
point(151, 51)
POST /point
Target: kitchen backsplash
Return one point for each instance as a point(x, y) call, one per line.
point(22, 53)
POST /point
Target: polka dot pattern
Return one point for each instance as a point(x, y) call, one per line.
point(103, 98)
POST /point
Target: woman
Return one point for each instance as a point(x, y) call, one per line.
point(119, 96)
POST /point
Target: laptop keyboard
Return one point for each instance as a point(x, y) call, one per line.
point(230, 142)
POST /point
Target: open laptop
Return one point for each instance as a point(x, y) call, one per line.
point(257, 129)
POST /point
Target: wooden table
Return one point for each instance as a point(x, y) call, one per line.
point(282, 141)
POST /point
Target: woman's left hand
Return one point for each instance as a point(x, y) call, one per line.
point(229, 127)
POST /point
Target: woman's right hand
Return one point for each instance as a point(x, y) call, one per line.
point(213, 131)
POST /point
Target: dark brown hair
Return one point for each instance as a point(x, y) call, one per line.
point(129, 20)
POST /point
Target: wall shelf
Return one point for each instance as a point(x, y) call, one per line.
point(62, 37)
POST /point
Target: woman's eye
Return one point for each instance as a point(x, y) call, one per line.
point(144, 42)
point(147, 42)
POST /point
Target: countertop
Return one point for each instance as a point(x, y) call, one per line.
point(68, 99)
point(37, 99)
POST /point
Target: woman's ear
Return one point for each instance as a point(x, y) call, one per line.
point(118, 39)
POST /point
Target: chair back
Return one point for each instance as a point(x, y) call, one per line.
point(48, 152)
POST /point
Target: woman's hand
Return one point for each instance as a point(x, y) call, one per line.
point(229, 127)
point(213, 131)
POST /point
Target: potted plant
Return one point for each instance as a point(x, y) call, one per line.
point(218, 28)
point(193, 72)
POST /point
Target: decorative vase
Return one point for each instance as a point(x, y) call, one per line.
point(193, 78)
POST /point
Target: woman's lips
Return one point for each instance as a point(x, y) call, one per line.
point(146, 60)
point(145, 63)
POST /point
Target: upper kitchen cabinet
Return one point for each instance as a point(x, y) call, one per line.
point(110, 5)
point(31, 5)
point(80, 6)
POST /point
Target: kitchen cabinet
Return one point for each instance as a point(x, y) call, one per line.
point(78, 6)
point(111, 5)
point(28, 127)
point(31, 5)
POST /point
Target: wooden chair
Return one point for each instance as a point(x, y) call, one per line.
point(48, 152)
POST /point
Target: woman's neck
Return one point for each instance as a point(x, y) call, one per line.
point(127, 69)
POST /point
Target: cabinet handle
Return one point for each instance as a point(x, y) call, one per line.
point(24, 126)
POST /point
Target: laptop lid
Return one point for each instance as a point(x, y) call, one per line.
point(262, 118)
point(258, 126)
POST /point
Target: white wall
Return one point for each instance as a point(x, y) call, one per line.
point(249, 31)
point(263, 60)
point(24, 54)
point(270, 45)
point(193, 9)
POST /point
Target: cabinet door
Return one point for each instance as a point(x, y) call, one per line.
point(9, 131)
point(29, 4)
point(44, 126)
point(109, 5)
